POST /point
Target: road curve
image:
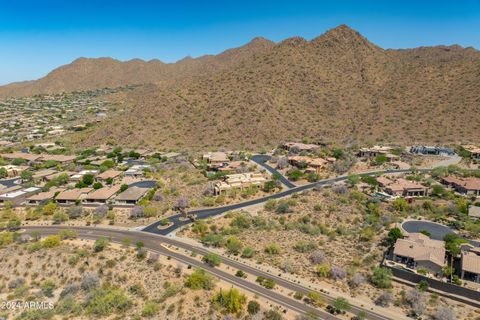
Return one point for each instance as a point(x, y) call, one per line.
point(177, 222)
point(154, 242)
point(261, 160)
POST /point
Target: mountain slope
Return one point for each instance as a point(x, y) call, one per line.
point(337, 88)
point(86, 74)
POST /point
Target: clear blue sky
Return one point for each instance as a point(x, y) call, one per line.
point(38, 36)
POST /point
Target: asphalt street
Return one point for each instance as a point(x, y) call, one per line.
point(437, 231)
point(154, 243)
point(178, 222)
point(261, 160)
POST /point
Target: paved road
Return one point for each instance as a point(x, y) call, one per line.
point(260, 159)
point(211, 212)
point(154, 243)
point(437, 231)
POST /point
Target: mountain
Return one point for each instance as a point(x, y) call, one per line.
point(86, 74)
point(337, 88)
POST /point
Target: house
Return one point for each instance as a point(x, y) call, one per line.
point(16, 195)
point(317, 164)
point(233, 166)
point(102, 195)
point(431, 150)
point(470, 262)
point(20, 155)
point(63, 159)
point(216, 160)
point(240, 181)
point(112, 175)
point(72, 196)
point(131, 196)
point(136, 171)
point(474, 212)
point(297, 147)
point(466, 186)
point(374, 151)
point(402, 187)
point(14, 171)
point(42, 174)
point(43, 197)
point(474, 152)
point(78, 176)
point(418, 251)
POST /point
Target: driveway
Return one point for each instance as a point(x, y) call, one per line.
point(9, 182)
point(261, 160)
point(437, 231)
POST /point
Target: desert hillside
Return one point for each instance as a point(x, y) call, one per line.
point(337, 88)
point(88, 74)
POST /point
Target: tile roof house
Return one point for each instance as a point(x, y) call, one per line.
point(131, 196)
point(417, 251)
point(43, 197)
point(103, 195)
point(240, 181)
point(317, 164)
point(374, 151)
point(470, 266)
point(300, 147)
point(402, 187)
point(466, 186)
point(72, 196)
point(109, 174)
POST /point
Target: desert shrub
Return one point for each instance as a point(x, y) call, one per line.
point(89, 281)
point(305, 246)
point(317, 257)
point(272, 249)
point(382, 277)
point(100, 244)
point(338, 273)
point(231, 300)
point(253, 307)
point(248, 252)
point(106, 301)
point(212, 259)
point(199, 279)
point(385, 299)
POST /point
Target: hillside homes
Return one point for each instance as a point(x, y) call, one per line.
point(238, 181)
point(418, 251)
point(465, 186)
point(402, 187)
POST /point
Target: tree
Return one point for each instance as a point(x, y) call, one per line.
point(295, 175)
point(102, 210)
point(26, 175)
point(272, 315)
point(97, 185)
point(272, 249)
point(444, 313)
point(212, 259)
point(234, 245)
point(338, 273)
point(248, 252)
point(3, 173)
point(253, 307)
point(50, 208)
point(393, 235)
point(137, 212)
point(75, 212)
point(47, 287)
point(423, 286)
point(353, 180)
point(416, 300)
point(323, 270)
point(452, 246)
point(382, 277)
point(182, 205)
point(100, 244)
point(199, 279)
point(59, 216)
point(123, 187)
point(88, 179)
point(384, 300)
point(357, 280)
point(231, 300)
point(51, 241)
point(342, 304)
point(317, 257)
point(400, 204)
point(269, 186)
point(315, 298)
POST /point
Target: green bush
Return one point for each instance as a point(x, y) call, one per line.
point(199, 279)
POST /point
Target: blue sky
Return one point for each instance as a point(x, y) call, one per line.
point(38, 36)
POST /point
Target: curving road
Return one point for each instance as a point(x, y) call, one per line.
point(156, 243)
point(436, 230)
point(178, 222)
point(261, 160)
